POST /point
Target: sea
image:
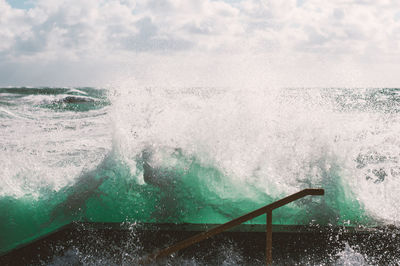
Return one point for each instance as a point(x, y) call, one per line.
point(196, 155)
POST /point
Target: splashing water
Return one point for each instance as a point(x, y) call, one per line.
point(195, 155)
point(350, 257)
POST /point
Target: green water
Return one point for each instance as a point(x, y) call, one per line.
point(197, 194)
point(77, 155)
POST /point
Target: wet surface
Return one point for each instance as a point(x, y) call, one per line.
point(111, 244)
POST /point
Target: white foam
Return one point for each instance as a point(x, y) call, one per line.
point(274, 141)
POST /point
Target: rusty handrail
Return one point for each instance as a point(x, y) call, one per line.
point(226, 226)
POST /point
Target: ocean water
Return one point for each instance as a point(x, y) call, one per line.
point(196, 155)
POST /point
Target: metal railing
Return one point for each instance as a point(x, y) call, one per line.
point(226, 226)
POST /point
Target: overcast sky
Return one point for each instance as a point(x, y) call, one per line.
point(296, 43)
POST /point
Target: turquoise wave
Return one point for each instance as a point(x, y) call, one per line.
point(191, 192)
point(58, 99)
point(183, 188)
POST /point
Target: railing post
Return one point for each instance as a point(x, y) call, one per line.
point(269, 238)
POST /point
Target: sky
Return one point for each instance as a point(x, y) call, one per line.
point(179, 43)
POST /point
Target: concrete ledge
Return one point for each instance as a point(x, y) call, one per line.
point(294, 242)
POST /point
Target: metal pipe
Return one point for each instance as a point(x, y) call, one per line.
point(226, 226)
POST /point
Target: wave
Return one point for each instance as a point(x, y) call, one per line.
point(178, 189)
point(194, 156)
point(59, 99)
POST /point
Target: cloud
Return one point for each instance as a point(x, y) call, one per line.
point(12, 25)
point(202, 34)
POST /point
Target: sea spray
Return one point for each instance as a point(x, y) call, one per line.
point(222, 152)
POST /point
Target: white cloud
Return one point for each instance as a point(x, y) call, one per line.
point(207, 37)
point(12, 25)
